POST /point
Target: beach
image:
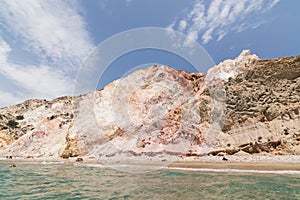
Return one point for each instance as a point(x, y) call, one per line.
point(287, 164)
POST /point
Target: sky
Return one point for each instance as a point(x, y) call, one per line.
point(44, 45)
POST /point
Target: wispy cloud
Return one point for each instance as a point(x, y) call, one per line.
point(220, 17)
point(55, 32)
point(29, 81)
point(128, 2)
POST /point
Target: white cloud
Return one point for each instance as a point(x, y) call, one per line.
point(51, 29)
point(55, 32)
point(8, 98)
point(30, 80)
point(182, 25)
point(220, 17)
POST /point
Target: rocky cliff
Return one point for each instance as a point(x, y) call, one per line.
point(242, 106)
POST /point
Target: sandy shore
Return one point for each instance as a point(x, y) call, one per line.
point(265, 163)
point(266, 166)
point(244, 163)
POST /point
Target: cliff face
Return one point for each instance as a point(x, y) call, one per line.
point(263, 107)
point(35, 128)
point(243, 105)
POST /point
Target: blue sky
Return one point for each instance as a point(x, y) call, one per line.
point(44, 43)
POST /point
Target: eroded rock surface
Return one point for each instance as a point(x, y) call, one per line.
point(242, 106)
point(263, 107)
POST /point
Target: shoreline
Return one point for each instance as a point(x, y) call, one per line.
point(250, 164)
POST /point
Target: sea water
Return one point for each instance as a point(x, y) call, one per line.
point(69, 181)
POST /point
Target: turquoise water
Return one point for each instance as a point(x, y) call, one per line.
point(57, 181)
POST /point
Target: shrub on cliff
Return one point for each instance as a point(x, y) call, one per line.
point(20, 117)
point(12, 124)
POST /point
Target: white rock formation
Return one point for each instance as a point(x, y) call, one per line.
point(161, 112)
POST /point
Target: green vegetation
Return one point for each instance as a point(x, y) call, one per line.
point(12, 124)
point(20, 117)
